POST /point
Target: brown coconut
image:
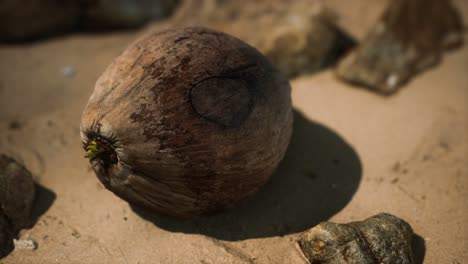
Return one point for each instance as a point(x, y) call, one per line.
point(187, 121)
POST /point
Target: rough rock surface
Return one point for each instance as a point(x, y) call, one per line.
point(409, 38)
point(16, 200)
point(297, 36)
point(382, 238)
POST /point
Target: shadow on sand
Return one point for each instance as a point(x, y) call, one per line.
point(317, 178)
point(44, 198)
point(43, 201)
point(419, 249)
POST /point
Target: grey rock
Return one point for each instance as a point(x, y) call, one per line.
point(383, 238)
point(297, 36)
point(29, 19)
point(17, 192)
point(409, 38)
point(23, 20)
point(126, 13)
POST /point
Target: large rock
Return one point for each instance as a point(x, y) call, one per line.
point(22, 20)
point(297, 36)
point(16, 201)
point(381, 239)
point(409, 38)
point(29, 19)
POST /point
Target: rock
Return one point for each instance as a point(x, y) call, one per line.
point(125, 13)
point(297, 36)
point(30, 19)
point(33, 19)
point(383, 238)
point(410, 37)
point(16, 200)
point(28, 244)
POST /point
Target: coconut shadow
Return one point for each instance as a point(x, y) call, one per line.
point(316, 179)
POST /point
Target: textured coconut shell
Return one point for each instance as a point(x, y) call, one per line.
point(189, 121)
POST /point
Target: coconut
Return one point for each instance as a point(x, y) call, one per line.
point(187, 122)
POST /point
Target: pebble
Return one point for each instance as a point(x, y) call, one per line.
point(68, 71)
point(25, 244)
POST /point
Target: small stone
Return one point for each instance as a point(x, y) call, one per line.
point(382, 239)
point(68, 71)
point(25, 244)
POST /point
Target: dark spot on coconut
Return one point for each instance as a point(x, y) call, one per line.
point(136, 117)
point(142, 115)
point(184, 64)
point(225, 101)
point(146, 116)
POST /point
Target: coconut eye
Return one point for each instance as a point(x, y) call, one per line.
point(226, 101)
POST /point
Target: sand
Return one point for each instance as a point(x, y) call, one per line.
point(353, 154)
